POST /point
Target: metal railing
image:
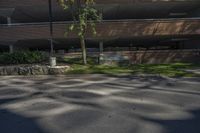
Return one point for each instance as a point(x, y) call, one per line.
point(119, 20)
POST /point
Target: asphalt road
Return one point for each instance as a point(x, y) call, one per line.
point(99, 104)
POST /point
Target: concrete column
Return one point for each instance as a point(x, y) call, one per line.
point(9, 20)
point(52, 47)
point(11, 48)
point(130, 48)
point(101, 47)
point(101, 53)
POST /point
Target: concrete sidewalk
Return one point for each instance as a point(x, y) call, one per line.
point(99, 104)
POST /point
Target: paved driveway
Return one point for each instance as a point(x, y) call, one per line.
point(99, 104)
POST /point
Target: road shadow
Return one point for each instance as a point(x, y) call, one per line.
point(11, 122)
point(190, 125)
point(14, 123)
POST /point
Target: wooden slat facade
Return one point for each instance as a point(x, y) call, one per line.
point(109, 29)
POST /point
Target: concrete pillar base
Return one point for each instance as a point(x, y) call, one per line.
point(101, 53)
point(11, 48)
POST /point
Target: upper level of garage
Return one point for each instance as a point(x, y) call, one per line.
point(14, 3)
point(26, 11)
point(106, 30)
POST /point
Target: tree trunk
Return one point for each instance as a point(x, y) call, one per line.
point(83, 48)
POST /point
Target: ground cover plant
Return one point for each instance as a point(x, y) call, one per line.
point(171, 70)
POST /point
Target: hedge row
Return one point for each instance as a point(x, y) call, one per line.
point(22, 57)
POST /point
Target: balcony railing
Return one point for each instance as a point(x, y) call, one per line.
point(117, 21)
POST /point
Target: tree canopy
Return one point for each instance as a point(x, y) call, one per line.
point(84, 17)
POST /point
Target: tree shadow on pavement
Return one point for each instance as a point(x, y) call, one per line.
point(14, 123)
point(189, 125)
point(11, 122)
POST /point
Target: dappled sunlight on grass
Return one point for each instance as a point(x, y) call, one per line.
point(175, 69)
point(101, 69)
point(171, 70)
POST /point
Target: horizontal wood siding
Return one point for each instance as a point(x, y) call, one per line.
point(123, 29)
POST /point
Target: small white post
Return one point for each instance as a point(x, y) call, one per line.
point(52, 61)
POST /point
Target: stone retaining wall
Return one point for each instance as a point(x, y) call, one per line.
point(32, 70)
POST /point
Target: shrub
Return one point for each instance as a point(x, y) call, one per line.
point(22, 57)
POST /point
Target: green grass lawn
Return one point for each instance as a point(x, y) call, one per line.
point(171, 70)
